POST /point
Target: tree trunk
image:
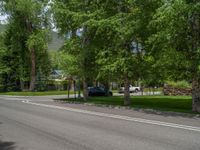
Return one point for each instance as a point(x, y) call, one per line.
point(142, 90)
point(22, 85)
point(33, 58)
point(85, 90)
point(74, 82)
point(79, 89)
point(33, 70)
point(127, 100)
point(195, 25)
point(153, 90)
point(196, 95)
point(107, 88)
point(68, 88)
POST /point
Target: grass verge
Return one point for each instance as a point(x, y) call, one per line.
point(36, 93)
point(163, 103)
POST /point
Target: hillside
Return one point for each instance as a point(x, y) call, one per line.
point(55, 43)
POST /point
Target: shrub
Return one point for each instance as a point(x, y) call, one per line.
point(179, 84)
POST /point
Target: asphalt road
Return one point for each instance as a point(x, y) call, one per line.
point(29, 125)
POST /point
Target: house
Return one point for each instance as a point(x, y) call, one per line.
point(57, 74)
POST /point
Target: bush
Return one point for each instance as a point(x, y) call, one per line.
point(179, 84)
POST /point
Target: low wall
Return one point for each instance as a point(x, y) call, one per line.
point(167, 90)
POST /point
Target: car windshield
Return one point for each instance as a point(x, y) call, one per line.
point(99, 88)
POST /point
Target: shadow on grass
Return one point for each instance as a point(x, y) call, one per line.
point(7, 145)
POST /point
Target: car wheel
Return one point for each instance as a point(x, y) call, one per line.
point(110, 94)
point(136, 90)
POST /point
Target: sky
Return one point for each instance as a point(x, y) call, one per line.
point(3, 19)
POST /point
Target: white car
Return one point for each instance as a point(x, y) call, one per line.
point(131, 89)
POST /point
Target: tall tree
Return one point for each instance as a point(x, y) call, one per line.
point(121, 31)
point(71, 19)
point(113, 35)
point(4, 69)
point(177, 25)
point(29, 19)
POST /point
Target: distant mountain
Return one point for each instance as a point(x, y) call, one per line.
point(55, 44)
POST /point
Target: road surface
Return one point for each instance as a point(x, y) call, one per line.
point(31, 125)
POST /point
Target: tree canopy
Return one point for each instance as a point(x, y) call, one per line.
point(150, 41)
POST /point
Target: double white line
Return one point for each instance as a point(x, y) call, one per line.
point(153, 122)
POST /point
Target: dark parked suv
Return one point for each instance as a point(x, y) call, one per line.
point(98, 91)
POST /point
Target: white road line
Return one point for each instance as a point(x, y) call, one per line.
point(11, 99)
point(153, 122)
point(6, 98)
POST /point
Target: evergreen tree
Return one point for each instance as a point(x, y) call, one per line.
point(28, 34)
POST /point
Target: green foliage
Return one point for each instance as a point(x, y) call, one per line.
point(112, 44)
point(71, 16)
point(3, 49)
point(121, 39)
point(10, 61)
point(151, 41)
point(179, 84)
point(176, 38)
point(66, 62)
point(2, 28)
point(38, 40)
point(27, 29)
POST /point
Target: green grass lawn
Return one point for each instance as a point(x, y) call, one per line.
point(36, 93)
point(163, 103)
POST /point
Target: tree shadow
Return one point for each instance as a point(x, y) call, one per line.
point(7, 145)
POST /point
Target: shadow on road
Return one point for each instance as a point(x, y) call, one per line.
point(7, 145)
